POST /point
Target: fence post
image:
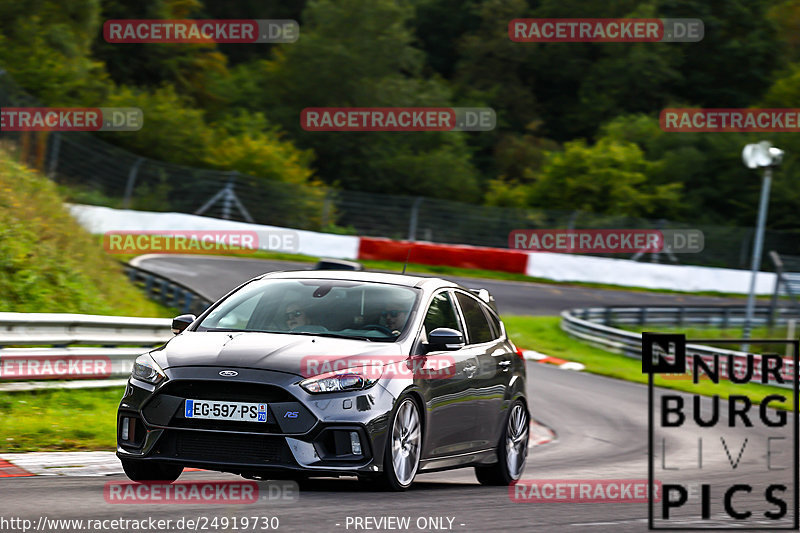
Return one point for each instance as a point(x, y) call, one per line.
point(53, 163)
point(227, 201)
point(412, 223)
point(326, 208)
point(126, 201)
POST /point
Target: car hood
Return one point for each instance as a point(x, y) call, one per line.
point(295, 354)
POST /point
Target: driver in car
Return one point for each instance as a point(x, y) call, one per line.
point(295, 316)
point(394, 316)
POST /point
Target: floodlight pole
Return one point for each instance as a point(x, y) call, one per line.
point(757, 248)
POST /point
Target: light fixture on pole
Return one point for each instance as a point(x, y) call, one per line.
point(761, 155)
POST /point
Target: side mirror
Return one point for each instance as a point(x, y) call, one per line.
point(445, 339)
point(180, 323)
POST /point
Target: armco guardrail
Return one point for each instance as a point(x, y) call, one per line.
point(721, 316)
point(585, 324)
point(40, 346)
point(168, 292)
point(61, 330)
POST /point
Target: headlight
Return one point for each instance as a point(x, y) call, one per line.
point(342, 380)
point(146, 369)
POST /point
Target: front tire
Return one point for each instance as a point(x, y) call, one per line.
point(143, 471)
point(512, 451)
point(403, 447)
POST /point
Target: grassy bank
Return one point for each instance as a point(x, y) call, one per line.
point(48, 262)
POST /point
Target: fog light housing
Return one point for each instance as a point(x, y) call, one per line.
point(355, 443)
point(126, 423)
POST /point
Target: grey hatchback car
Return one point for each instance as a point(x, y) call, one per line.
point(331, 373)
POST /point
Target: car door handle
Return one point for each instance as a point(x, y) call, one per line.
point(505, 363)
point(470, 370)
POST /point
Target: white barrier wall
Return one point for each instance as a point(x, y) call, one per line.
point(566, 267)
point(556, 267)
point(100, 220)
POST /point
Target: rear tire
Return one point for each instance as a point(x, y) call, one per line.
point(403, 447)
point(512, 450)
point(143, 471)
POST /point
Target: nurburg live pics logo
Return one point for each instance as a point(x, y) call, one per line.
point(754, 481)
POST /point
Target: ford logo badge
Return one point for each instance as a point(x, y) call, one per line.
point(228, 373)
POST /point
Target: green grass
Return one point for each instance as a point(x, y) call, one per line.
point(48, 262)
point(544, 334)
point(698, 332)
point(63, 420)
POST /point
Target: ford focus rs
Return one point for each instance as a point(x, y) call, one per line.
point(311, 373)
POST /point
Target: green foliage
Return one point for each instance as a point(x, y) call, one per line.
point(371, 64)
point(48, 263)
point(46, 46)
point(608, 178)
point(577, 122)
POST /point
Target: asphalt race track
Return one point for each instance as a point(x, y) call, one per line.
point(602, 434)
point(601, 427)
point(214, 276)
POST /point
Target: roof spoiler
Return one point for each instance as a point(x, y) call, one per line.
point(484, 295)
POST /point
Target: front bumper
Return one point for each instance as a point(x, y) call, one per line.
point(306, 433)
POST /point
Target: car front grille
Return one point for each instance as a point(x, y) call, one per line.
point(167, 408)
point(225, 448)
point(234, 391)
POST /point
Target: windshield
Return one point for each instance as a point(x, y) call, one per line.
point(352, 309)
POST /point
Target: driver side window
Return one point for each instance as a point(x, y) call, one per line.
point(441, 314)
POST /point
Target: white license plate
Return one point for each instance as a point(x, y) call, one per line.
point(219, 410)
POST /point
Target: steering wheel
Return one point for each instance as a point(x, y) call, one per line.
point(378, 327)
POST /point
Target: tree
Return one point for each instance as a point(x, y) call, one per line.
point(358, 53)
point(610, 177)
